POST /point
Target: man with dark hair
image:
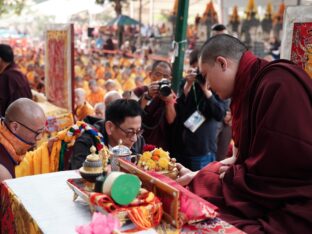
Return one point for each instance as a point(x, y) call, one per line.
point(198, 146)
point(266, 188)
point(217, 29)
point(158, 106)
point(13, 83)
point(122, 122)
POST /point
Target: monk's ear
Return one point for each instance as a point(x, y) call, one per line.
point(109, 127)
point(222, 62)
point(14, 126)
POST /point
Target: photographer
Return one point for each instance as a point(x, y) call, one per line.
point(158, 102)
point(198, 113)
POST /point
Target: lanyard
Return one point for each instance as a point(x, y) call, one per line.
point(195, 95)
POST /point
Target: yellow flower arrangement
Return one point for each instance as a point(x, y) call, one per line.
point(156, 160)
point(146, 155)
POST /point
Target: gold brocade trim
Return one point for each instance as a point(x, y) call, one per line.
point(24, 223)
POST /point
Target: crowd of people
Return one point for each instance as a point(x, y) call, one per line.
point(227, 93)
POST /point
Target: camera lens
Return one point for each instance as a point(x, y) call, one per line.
point(165, 90)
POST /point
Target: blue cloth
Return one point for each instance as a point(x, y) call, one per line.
point(196, 163)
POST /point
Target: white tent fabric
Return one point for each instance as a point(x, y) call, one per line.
point(63, 9)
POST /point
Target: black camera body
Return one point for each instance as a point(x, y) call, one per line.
point(200, 78)
point(164, 87)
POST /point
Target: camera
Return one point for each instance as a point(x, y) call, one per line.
point(199, 77)
point(164, 87)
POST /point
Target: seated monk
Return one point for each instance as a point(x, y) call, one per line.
point(111, 96)
point(99, 110)
point(96, 93)
point(266, 188)
point(20, 129)
point(127, 80)
point(82, 107)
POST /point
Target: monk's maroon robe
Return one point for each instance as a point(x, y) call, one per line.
point(13, 85)
point(269, 189)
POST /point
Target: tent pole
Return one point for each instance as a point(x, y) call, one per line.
point(180, 41)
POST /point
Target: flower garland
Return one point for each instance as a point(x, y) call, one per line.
point(81, 127)
point(148, 147)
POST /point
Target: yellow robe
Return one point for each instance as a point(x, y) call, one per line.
point(83, 111)
point(39, 161)
point(94, 98)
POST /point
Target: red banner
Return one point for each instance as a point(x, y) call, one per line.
point(301, 48)
point(59, 55)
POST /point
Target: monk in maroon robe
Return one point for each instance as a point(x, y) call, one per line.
point(268, 189)
point(13, 83)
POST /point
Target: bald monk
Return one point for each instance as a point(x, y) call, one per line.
point(99, 110)
point(268, 187)
point(22, 126)
point(111, 96)
point(82, 107)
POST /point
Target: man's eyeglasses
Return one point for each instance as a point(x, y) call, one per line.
point(37, 133)
point(131, 133)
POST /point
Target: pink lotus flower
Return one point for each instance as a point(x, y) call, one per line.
point(100, 224)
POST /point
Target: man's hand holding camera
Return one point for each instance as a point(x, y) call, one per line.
point(153, 90)
point(193, 75)
point(206, 88)
point(160, 88)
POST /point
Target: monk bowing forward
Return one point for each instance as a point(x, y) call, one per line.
point(267, 187)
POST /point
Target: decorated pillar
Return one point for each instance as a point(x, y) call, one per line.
point(250, 24)
point(234, 21)
point(210, 17)
point(278, 21)
point(267, 22)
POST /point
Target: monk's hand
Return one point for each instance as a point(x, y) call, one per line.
point(206, 89)
point(228, 118)
point(185, 175)
point(51, 141)
point(222, 170)
point(170, 99)
point(226, 163)
point(153, 89)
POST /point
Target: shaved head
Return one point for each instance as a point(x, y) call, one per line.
point(111, 96)
point(219, 61)
point(26, 119)
point(80, 91)
point(80, 96)
point(24, 110)
point(222, 45)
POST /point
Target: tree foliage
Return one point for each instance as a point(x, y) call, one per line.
point(11, 6)
point(117, 5)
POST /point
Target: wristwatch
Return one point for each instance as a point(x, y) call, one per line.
point(147, 96)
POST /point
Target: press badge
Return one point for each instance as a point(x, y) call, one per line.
point(194, 121)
